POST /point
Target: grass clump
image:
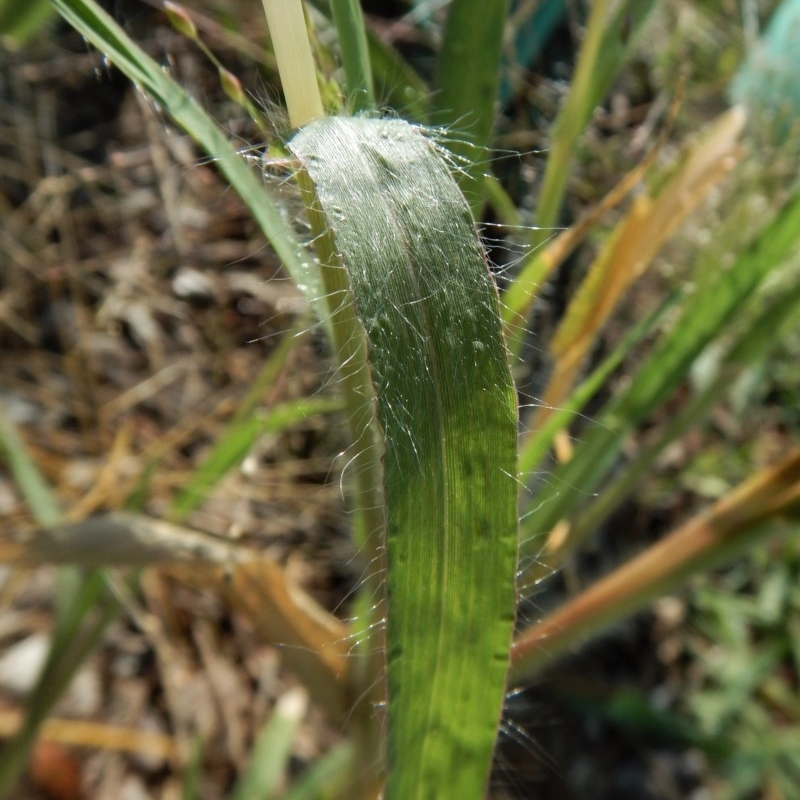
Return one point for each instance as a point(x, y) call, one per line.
point(435, 459)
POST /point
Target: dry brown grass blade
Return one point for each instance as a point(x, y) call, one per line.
point(704, 541)
point(118, 540)
point(631, 249)
point(80, 733)
point(565, 243)
point(519, 298)
point(106, 486)
point(314, 643)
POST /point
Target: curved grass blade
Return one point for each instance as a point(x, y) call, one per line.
point(396, 83)
point(236, 442)
point(270, 757)
point(535, 444)
point(632, 248)
point(326, 776)
point(76, 631)
point(101, 30)
point(777, 321)
point(605, 48)
point(20, 21)
point(447, 408)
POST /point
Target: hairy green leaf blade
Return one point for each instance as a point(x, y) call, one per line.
point(447, 407)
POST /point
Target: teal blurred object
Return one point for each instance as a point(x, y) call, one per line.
point(767, 83)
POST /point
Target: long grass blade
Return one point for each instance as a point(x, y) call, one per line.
point(20, 21)
point(396, 84)
point(631, 248)
point(779, 318)
point(468, 83)
point(74, 637)
point(26, 474)
point(236, 442)
point(270, 756)
point(447, 409)
point(705, 541)
point(349, 20)
point(535, 444)
point(603, 52)
point(326, 777)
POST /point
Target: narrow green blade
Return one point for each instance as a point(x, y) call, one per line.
point(447, 407)
point(396, 82)
point(604, 50)
point(269, 759)
point(234, 444)
point(349, 20)
point(468, 84)
point(705, 315)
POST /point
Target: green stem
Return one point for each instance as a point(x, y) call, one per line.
point(366, 492)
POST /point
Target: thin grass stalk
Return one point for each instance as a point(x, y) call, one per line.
point(67, 653)
point(298, 76)
point(609, 38)
point(77, 594)
point(570, 121)
point(47, 691)
point(631, 249)
point(272, 749)
point(183, 23)
point(326, 777)
point(519, 297)
point(26, 475)
point(399, 86)
point(287, 25)
point(366, 494)
point(21, 21)
point(536, 442)
point(103, 32)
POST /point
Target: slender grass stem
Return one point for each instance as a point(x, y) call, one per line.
point(295, 61)
point(569, 124)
